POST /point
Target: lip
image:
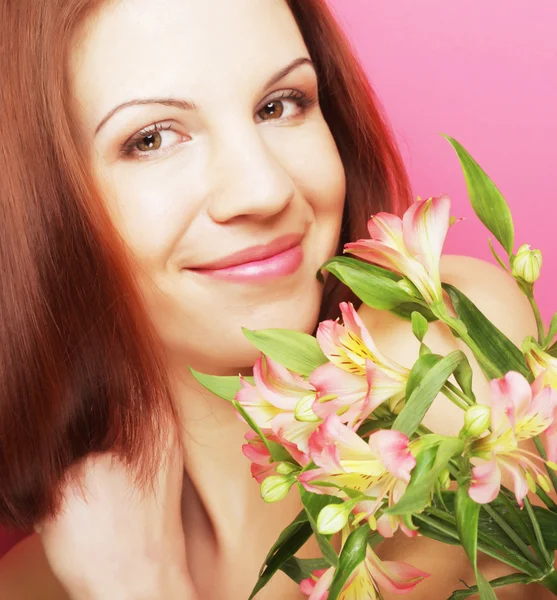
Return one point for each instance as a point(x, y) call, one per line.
point(281, 257)
point(253, 254)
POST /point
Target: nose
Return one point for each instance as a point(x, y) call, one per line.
point(250, 180)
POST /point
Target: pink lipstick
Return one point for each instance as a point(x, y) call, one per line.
point(280, 258)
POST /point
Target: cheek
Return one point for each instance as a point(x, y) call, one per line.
point(314, 164)
point(151, 207)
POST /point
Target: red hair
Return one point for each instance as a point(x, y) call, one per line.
point(81, 368)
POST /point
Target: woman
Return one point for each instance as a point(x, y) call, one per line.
point(172, 172)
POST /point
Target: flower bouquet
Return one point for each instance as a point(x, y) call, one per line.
point(341, 423)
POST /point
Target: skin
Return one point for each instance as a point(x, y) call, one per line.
point(228, 176)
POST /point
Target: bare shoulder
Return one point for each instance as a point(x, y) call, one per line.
point(26, 575)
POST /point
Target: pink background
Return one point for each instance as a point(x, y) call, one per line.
point(484, 72)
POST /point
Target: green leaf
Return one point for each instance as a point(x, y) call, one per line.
point(353, 553)
point(484, 587)
point(313, 504)
point(547, 520)
point(299, 569)
point(496, 256)
point(289, 542)
point(467, 516)
point(493, 343)
point(430, 463)
point(405, 310)
point(487, 201)
point(375, 286)
point(552, 350)
point(429, 374)
point(495, 583)
point(552, 332)
point(297, 351)
point(224, 387)
point(464, 377)
point(419, 326)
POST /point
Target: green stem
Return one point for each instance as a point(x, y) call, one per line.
point(456, 390)
point(537, 314)
point(545, 554)
point(448, 393)
point(516, 561)
point(550, 582)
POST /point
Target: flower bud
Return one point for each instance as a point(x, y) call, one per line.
point(407, 286)
point(276, 487)
point(287, 468)
point(476, 421)
point(527, 264)
point(333, 518)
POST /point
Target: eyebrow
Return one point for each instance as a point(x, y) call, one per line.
point(189, 105)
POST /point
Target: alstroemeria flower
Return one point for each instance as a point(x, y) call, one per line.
point(410, 246)
point(280, 402)
point(367, 581)
point(346, 460)
point(262, 464)
point(540, 362)
point(359, 377)
point(519, 411)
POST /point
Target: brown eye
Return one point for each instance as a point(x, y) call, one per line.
point(273, 110)
point(151, 141)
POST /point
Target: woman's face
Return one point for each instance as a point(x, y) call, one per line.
point(207, 140)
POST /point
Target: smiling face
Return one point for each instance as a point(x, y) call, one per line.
point(216, 165)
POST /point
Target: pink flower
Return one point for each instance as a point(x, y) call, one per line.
point(262, 465)
point(346, 460)
point(359, 377)
point(368, 580)
point(280, 403)
point(411, 246)
point(519, 411)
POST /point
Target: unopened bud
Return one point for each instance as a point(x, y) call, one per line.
point(407, 286)
point(287, 468)
point(333, 518)
point(276, 487)
point(476, 421)
point(527, 264)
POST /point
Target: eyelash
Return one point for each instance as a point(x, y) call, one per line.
point(304, 102)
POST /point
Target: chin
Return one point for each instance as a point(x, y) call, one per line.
point(234, 354)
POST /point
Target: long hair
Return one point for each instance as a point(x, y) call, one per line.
point(81, 368)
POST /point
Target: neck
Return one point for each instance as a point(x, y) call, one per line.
point(217, 470)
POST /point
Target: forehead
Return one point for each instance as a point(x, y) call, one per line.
point(191, 48)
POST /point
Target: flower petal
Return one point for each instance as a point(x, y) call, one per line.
point(386, 228)
point(511, 397)
point(318, 590)
point(261, 411)
point(425, 226)
point(278, 385)
point(340, 392)
point(391, 447)
point(486, 482)
point(393, 577)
